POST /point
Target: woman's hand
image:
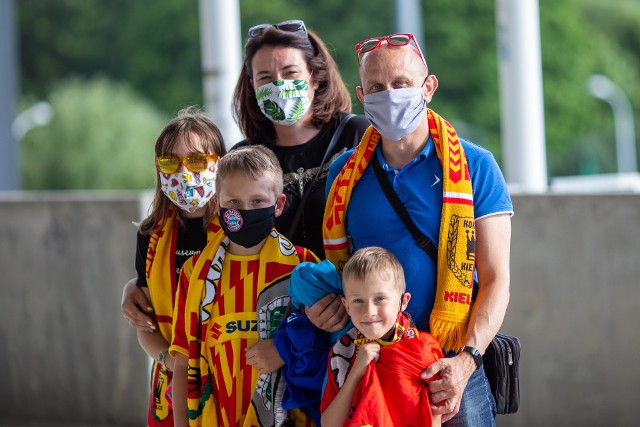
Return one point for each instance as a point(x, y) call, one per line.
point(134, 305)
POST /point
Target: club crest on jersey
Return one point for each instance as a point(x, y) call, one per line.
point(461, 249)
point(233, 219)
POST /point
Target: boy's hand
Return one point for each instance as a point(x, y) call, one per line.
point(264, 357)
point(132, 300)
point(328, 313)
point(364, 355)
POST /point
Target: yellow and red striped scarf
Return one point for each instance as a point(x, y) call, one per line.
point(223, 388)
point(161, 270)
point(404, 330)
point(161, 282)
point(456, 243)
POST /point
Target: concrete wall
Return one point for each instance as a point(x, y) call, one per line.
point(66, 353)
point(575, 304)
point(69, 357)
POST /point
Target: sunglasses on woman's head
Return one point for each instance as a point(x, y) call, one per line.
point(393, 40)
point(291, 26)
point(198, 162)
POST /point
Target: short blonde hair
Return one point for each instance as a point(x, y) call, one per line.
point(254, 161)
point(374, 260)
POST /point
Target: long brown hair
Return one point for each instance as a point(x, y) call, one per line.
point(330, 99)
point(191, 126)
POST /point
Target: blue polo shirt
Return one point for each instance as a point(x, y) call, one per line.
point(371, 220)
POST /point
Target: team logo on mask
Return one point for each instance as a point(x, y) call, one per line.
point(233, 220)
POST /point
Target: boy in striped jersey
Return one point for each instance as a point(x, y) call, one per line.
point(231, 300)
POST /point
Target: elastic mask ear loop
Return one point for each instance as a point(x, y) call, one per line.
point(423, 100)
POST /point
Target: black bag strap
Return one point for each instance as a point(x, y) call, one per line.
point(307, 191)
point(421, 240)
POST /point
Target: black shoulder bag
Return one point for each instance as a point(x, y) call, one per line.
point(502, 356)
point(307, 191)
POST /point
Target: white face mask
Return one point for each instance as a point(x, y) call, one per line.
point(188, 190)
point(284, 101)
point(395, 113)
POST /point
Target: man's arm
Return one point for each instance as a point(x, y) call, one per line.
point(493, 240)
point(492, 262)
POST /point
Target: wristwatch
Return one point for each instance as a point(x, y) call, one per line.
point(477, 357)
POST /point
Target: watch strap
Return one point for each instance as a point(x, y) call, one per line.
point(477, 357)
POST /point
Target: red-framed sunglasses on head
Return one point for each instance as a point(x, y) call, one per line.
point(393, 40)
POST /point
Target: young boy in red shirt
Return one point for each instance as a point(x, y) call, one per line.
point(374, 369)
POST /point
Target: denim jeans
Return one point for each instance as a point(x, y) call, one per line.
point(478, 408)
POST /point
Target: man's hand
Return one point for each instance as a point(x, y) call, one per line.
point(264, 357)
point(446, 392)
point(134, 301)
point(328, 313)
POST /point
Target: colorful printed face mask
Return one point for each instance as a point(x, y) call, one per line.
point(284, 101)
point(189, 190)
point(247, 228)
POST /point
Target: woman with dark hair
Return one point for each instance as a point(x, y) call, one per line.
point(291, 98)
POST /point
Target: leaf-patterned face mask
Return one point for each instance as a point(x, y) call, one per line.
point(284, 101)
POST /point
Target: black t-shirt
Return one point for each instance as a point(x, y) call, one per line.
point(299, 165)
point(192, 238)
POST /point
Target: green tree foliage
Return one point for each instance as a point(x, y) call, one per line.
point(102, 136)
point(155, 46)
point(580, 135)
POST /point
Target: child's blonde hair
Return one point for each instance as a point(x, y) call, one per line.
point(255, 161)
point(374, 260)
point(190, 126)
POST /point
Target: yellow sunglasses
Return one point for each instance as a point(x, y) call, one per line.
point(198, 162)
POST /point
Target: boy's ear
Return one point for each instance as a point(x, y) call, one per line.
point(280, 204)
point(216, 205)
point(405, 301)
point(346, 306)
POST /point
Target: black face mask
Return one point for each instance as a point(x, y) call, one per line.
point(247, 228)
